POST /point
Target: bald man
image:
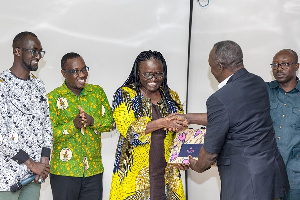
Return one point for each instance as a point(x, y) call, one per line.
point(284, 94)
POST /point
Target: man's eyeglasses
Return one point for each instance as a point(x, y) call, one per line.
point(35, 53)
point(149, 75)
point(77, 72)
point(275, 66)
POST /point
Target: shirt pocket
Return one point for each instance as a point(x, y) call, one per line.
point(296, 118)
point(294, 162)
point(223, 161)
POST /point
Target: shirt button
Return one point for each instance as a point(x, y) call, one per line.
point(282, 115)
point(285, 93)
point(278, 138)
point(284, 104)
point(280, 127)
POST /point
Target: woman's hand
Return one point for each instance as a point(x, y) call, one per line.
point(178, 116)
point(175, 122)
point(171, 123)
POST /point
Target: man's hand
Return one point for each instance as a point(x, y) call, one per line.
point(180, 166)
point(38, 178)
point(89, 120)
point(40, 169)
point(193, 164)
point(175, 122)
point(205, 160)
point(83, 119)
point(178, 116)
point(174, 125)
point(78, 123)
point(86, 119)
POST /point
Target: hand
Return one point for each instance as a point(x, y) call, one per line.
point(180, 166)
point(78, 122)
point(178, 116)
point(38, 178)
point(40, 169)
point(175, 123)
point(194, 165)
point(86, 119)
point(180, 120)
point(89, 120)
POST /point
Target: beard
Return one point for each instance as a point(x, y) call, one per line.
point(29, 66)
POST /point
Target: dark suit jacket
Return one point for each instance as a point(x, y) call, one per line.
point(240, 130)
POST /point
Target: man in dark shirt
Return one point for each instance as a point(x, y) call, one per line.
point(284, 94)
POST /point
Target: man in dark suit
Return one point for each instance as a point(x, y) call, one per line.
point(239, 135)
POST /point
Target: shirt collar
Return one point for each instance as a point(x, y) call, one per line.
point(275, 84)
point(224, 82)
point(66, 90)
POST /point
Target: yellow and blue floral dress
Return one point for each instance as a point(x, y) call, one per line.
point(77, 153)
point(131, 168)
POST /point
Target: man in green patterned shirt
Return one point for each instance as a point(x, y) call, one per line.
point(79, 114)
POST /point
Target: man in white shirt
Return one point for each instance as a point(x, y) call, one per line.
point(25, 131)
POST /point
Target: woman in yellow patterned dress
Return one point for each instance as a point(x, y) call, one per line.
point(141, 110)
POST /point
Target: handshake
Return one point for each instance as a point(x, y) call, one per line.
point(175, 122)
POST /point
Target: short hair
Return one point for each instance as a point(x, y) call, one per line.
point(66, 57)
point(292, 52)
point(19, 38)
point(228, 53)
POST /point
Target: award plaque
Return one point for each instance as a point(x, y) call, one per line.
point(187, 142)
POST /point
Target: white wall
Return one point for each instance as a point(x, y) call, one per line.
point(110, 34)
point(261, 28)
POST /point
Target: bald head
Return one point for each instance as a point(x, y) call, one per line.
point(291, 52)
point(285, 66)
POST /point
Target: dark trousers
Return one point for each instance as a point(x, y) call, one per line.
point(76, 188)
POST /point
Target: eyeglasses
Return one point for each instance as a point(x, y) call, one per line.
point(35, 53)
point(77, 72)
point(275, 66)
point(149, 75)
